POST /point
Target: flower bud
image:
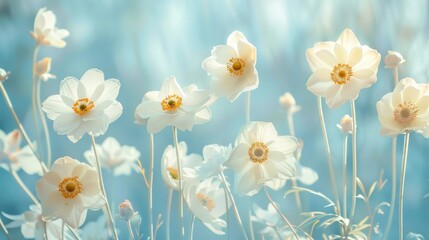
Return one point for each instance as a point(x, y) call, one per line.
point(346, 124)
point(126, 211)
point(43, 67)
point(393, 59)
point(288, 102)
point(3, 75)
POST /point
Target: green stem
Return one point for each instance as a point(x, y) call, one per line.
point(152, 157)
point(402, 186)
point(44, 124)
point(354, 160)
point(294, 182)
point(345, 176)
point(192, 227)
point(4, 229)
point(130, 230)
point(34, 101)
point(248, 107)
point(179, 170)
point(170, 198)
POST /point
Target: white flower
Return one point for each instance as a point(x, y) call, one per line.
point(405, 109)
point(43, 68)
point(19, 158)
point(96, 230)
point(288, 102)
point(214, 157)
point(45, 32)
point(68, 190)
point(121, 159)
point(341, 69)
point(206, 200)
point(346, 124)
point(85, 106)
point(232, 67)
point(305, 175)
point(393, 59)
point(173, 106)
point(3, 75)
point(259, 156)
point(169, 169)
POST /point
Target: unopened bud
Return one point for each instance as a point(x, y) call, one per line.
point(43, 68)
point(288, 101)
point(126, 211)
point(393, 59)
point(3, 75)
point(346, 124)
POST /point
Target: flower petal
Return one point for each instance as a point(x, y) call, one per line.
point(355, 56)
point(320, 81)
point(348, 39)
point(91, 79)
point(170, 87)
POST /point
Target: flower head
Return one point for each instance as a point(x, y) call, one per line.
point(232, 67)
point(173, 106)
point(126, 211)
point(3, 75)
point(346, 124)
point(84, 106)
point(393, 59)
point(288, 102)
point(214, 157)
point(341, 69)
point(43, 68)
point(45, 32)
point(68, 190)
point(259, 156)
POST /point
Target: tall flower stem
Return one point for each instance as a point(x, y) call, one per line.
point(4, 229)
point(402, 186)
point(252, 234)
point(294, 183)
point(34, 101)
point(328, 153)
point(152, 157)
point(192, 227)
point(130, 230)
point(44, 124)
point(103, 191)
point(395, 75)
point(285, 220)
point(248, 107)
point(170, 198)
point(234, 205)
point(23, 186)
point(179, 170)
point(345, 176)
point(227, 212)
point(354, 159)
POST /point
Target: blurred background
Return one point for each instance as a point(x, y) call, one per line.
point(143, 42)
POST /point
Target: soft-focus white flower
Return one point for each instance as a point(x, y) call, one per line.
point(341, 69)
point(68, 190)
point(305, 175)
point(289, 103)
point(346, 124)
point(405, 109)
point(19, 158)
point(206, 200)
point(259, 156)
point(95, 230)
point(169, 169)
point(393, 59)
point(232, 67)
point(45, 32)
point(43, 68)
point(214, 157)
point(85, 106)
point(3, 75)
point(126, 211)
point(120, 159)
point(173, 106)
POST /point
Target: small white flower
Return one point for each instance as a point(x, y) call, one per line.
point(19, 158)
point(393, 59)
point(232, 67)
point(173, 106)
point(259, 156)
point(68, 190)
point(288, 102)
point(85, 106)
point(346, 124)
point(341, 69)
point(43, 68)
point(169, 169)
point(45, 32)
point(206, 200)
point(126, 211)
point(3, 75)
point(305, 175)
point(269, 219)
point(96, 230)
point(214, 157)
point(120, 159)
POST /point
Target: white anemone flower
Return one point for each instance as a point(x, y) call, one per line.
point(173, 106)
point(341, 69)
point(68, 190)
point(206, 200)
point(85, 106)
point(233, 67)
point(259, 156)
point(405, 109)
point(214, 157)
point(19, 158)
point(122, 160)
point(45, 32)
point(169, 169)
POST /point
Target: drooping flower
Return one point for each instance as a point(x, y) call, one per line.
point(341, 69)
point(68, 190)
point(19, 158)
point(393, 59)
point(3, 75)
point(173, 106)
point(85, 106)
point(259, 156)
point(214, 157)
point(120, 159)
point(45, 32)
point(206, 200)
point(126, 211)
point(43, 68)
point(405, 109)
point(95, 230)
point(233, 67)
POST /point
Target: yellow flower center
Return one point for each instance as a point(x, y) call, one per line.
point(405, 113)
point(173, 173)
point(171, 102)
point(206, 201)
point(70, 187)
point(236, 66)
point(82, 106)
point(341, 74)
point(258, 152)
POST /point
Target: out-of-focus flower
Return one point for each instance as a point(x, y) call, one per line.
point(120, 159)
point(19, 158)
point(45, 32)
point(3, 75)
point(288, 102)
point(341, 69)
point(259, 156)
point(393, 59)
point(95, 230)
point(232, 67)
point(214, 157)
point(206, 200)
point(68, 190)
point(305, 175)
point(169, 169)
point(43, 68)
point(126, 211)
point(85, 106)
point(173, 106)
point(346, 124)
point(414, 236)
point(405, 109)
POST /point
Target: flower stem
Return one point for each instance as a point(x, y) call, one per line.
point(402, 186)
point(130, 230)
point(4, 229)
point(192, 227)
point(23, 186)
point(170, 198)
point(281, 214)
point(248, 106)
point(345, 176)
point(103, 191)
point(227, 212)
point(179, 170)
point(34, 101)
point(395, 76)
point(294, 182)
point(152, 157)
point(234, 205)
point(252, 234)
point(354, 160)
point(63, 231)
point(328, 153)
point(393, 197)
point(44, 124)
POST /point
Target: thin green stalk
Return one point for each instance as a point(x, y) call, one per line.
point(179, 170)
point(402, 186)
point(170, 198)
point(192, 227)
point(354, 159)
point(130, 230)
point(252, 234)
point(345, 176)
point(34, 101)
point(44, 124)
point(152, 157)
point(393, 197)
point(227, 213)
point(23, 186)
point(248, 106)
point(4, 229)
point(294, 182)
